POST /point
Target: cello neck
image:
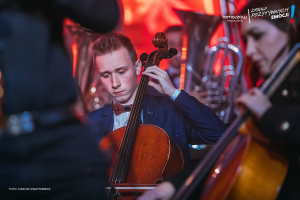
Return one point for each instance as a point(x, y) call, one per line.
point(124, 155)
point(135, 115)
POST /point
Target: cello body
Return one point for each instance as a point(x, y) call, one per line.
point(154, 156)
point(248, 168)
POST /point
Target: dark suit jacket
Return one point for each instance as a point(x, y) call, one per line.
point(185, 120)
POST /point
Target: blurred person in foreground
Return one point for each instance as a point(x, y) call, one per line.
point(267, 42)
point(45, 151)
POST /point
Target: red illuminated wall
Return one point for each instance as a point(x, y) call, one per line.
point(143, 18)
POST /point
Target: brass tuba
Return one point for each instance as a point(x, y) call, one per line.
point(221, 87)
point(91, 92)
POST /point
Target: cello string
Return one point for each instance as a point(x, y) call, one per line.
point(133, 124)
point(128, 144)
point(134, 121)
point(132, 127)
point(125, 147)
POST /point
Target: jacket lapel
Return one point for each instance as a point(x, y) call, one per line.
point(150, 110)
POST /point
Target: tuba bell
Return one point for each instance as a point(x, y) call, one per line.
point(197, 30)
point(91, 92)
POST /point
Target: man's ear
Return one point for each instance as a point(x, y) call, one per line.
point(138, 66)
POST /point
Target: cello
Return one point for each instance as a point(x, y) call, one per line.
point(238, 166)
point(142, 154)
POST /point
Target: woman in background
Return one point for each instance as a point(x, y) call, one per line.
point(267, 43)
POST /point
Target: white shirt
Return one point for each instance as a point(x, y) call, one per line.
point(122, 119)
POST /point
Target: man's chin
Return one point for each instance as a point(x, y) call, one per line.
point(119, 99)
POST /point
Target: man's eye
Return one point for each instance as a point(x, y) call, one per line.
point(105, 75)
point(121, 72)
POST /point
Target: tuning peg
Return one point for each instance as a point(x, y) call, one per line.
point(173, 51)
point(143, 57)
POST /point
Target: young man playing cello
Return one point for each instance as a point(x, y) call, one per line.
point(182, 117)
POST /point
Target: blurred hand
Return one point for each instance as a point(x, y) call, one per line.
point(255, 101)
point(165, 85)
point(163, 191)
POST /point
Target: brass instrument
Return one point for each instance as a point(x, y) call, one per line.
point(197, 29)
point(222, 87)
point(78, 42)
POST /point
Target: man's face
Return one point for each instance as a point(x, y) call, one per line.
point(175, 41)
point(119, 75)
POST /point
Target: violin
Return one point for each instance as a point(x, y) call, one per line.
point(244, 164)
point(142, 154)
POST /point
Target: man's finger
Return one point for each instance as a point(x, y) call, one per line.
point(155, 76)
point(155, 85)
point(156, 70)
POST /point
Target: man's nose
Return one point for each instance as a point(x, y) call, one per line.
point(115, 81)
